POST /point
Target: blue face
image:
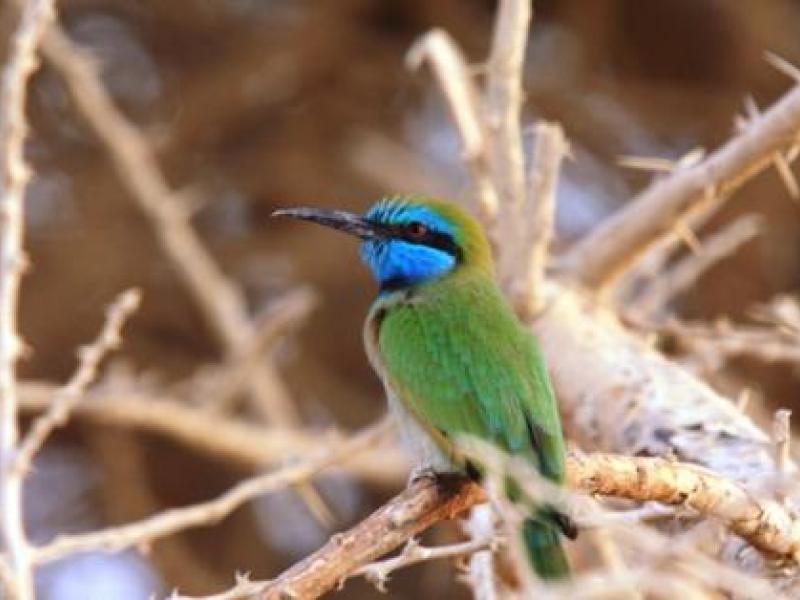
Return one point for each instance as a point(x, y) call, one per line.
point(419, 246)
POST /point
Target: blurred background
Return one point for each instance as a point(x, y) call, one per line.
point(251, 105)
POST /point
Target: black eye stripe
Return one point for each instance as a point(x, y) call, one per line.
point(431, 238)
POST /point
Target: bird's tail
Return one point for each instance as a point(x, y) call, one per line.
point(542, 539)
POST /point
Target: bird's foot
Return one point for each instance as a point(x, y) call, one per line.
point(422, 472)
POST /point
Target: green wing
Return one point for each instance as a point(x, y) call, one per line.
point(460, 361)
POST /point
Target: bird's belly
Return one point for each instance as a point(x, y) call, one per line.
point(426, 453)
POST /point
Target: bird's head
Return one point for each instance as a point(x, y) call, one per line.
point(408, 240)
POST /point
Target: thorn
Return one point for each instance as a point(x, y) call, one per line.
point(688, 236)
point(782, 65)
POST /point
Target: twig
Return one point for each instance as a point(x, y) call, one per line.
point(281, 315)
point(206, 513)
point(422, 504)
point(481, 576)
point(7, 580)
point(71, 394)
point(782, 437)
point(413, 553)
point(220, 300)
point(528, 288)
point(609, 552)
point(504, 103)
point(253, 446)
point(685, 273)
point(447, 63)
point(608, 251)
point(243, 588)
point(14, 176)
point(717, 342)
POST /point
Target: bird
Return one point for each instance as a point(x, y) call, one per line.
point(453, 357)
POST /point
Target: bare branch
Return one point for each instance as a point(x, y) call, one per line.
point(35, 16)
point(481, 576)
point(608, 251)
point(413, 553)
point(688, 271)
point(764, 524)
point(137, 167)
point(145, 532)
point(250, 445)
point(282, 314)
point(66, 398)
point(712, 344)
point(504, 102)
point(528, 289)
point(425, 502)
point(447, 63)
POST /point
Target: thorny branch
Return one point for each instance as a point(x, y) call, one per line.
point(14, 176)
point(439, 50)
point(168, 522)
point(220, 300)
point(64, 401)
point(602, 256)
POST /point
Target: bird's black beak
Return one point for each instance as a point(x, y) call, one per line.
point(338, 219)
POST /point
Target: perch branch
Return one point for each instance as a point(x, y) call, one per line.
point(220, 300)
point(765, 524)
point(171, 521)
point(422, 504)
point(34, 17)
point(71, 394)
point(608, 251)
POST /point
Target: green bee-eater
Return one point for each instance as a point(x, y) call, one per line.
point(452, 355)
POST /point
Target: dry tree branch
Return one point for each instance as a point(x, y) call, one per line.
point(448, 66)
point(221, 301)
point(14, 176)
point(7, 580)
point(250, 445)
point(425, 502)
point(281, 315)
point(688, 271)
point(166, 523)
point(504, 103)
point(765, 524)
point(137, 167)
point(715, 343)
point(608, 251)
point(65, 399)
point(527, 289)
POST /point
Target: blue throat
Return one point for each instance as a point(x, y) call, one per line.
point(398, 264)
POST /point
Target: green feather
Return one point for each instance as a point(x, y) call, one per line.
point(460, 361)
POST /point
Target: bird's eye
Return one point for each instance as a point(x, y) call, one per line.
point(416, 229)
